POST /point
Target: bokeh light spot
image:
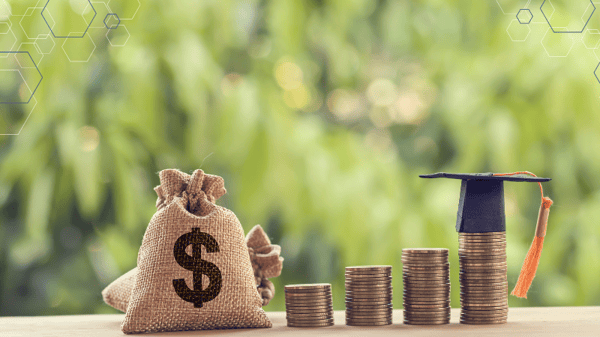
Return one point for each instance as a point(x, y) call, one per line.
point(288, 75)
point(89, 138)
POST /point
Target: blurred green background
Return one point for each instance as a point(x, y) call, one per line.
point(320, 115)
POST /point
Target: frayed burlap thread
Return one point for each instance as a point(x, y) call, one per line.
point(154, 305)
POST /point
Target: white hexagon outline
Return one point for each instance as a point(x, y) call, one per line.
point(22, 77)
point(134, 14)
point(503, 12)
point(547, 53)
point(511, 38)
point(23, 17)
point(9, 24)
point(26, 119)
point(595, 54)
point(75, 40)
point(583, 38)
point(8, 8)
point(553, 11)
point(43, 38)
point(38, 63)
point(118, 45)
point(13, 46)
point(109, 11)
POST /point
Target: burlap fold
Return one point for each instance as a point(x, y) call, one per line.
point(191, 239)
point(266, 261)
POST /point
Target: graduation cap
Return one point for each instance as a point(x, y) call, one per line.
point(481, 210)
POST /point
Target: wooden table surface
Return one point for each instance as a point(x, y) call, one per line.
point(550, 321)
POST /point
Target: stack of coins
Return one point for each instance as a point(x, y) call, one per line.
point(369, 295)
point(483, 283)
point(426, 276)
point(308, 305)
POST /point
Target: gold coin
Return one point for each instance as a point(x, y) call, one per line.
point(306, 313)
point(308, 286)
point(311, 293)
point(481, 237)
point(482, 322)
point(369, 301)
point(360, 308)
point(432, 269)
point(427, 322)
point(307, 303)
point(354, 323)
point(363, 268)
point(366, 315)
point(368, 278)
point(483, 314)
point(426, 301)
point(426, 292)
point(368, 285)
point(309, 315)
point(421, 310)
point(481, 242)
point(425, 278)
point(368, 272)
point(372, 311)
point(309, 325)
point(414, 317)
point(425, 250)
point(373, 298)
point(368, 319)
point(376, 288)
point(312, 309)
point(503, 233)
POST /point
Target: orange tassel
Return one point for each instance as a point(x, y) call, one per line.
point(532, 259)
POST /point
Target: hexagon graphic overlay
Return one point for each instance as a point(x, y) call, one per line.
point(20, 77)
point(72, 19)
point(567, 16)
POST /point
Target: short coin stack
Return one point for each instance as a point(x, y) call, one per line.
point(369, 295)
point(426, 276)
point(483, 283)
point(308, 305)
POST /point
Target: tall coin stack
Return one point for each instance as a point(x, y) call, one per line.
point(369, 295)
point(308, 305)
point(483, 283)
point(426, 276)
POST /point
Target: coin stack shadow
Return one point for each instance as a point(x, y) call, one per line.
point(308, 305)
point(426, 277)
point(483, 283)
point(369, 295)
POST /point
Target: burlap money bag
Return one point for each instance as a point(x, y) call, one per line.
point(264, 256)
point(194, 269)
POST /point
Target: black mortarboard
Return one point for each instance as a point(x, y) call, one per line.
point(481, 203)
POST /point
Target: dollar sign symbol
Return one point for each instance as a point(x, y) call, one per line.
point(197, 239)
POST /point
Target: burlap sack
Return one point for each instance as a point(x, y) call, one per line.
point(266, 263)
point(194, 269)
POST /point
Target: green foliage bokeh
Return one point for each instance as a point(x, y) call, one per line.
point(320, 115)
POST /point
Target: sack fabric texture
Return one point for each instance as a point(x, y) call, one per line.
point(193, 268)
point(264, 256)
